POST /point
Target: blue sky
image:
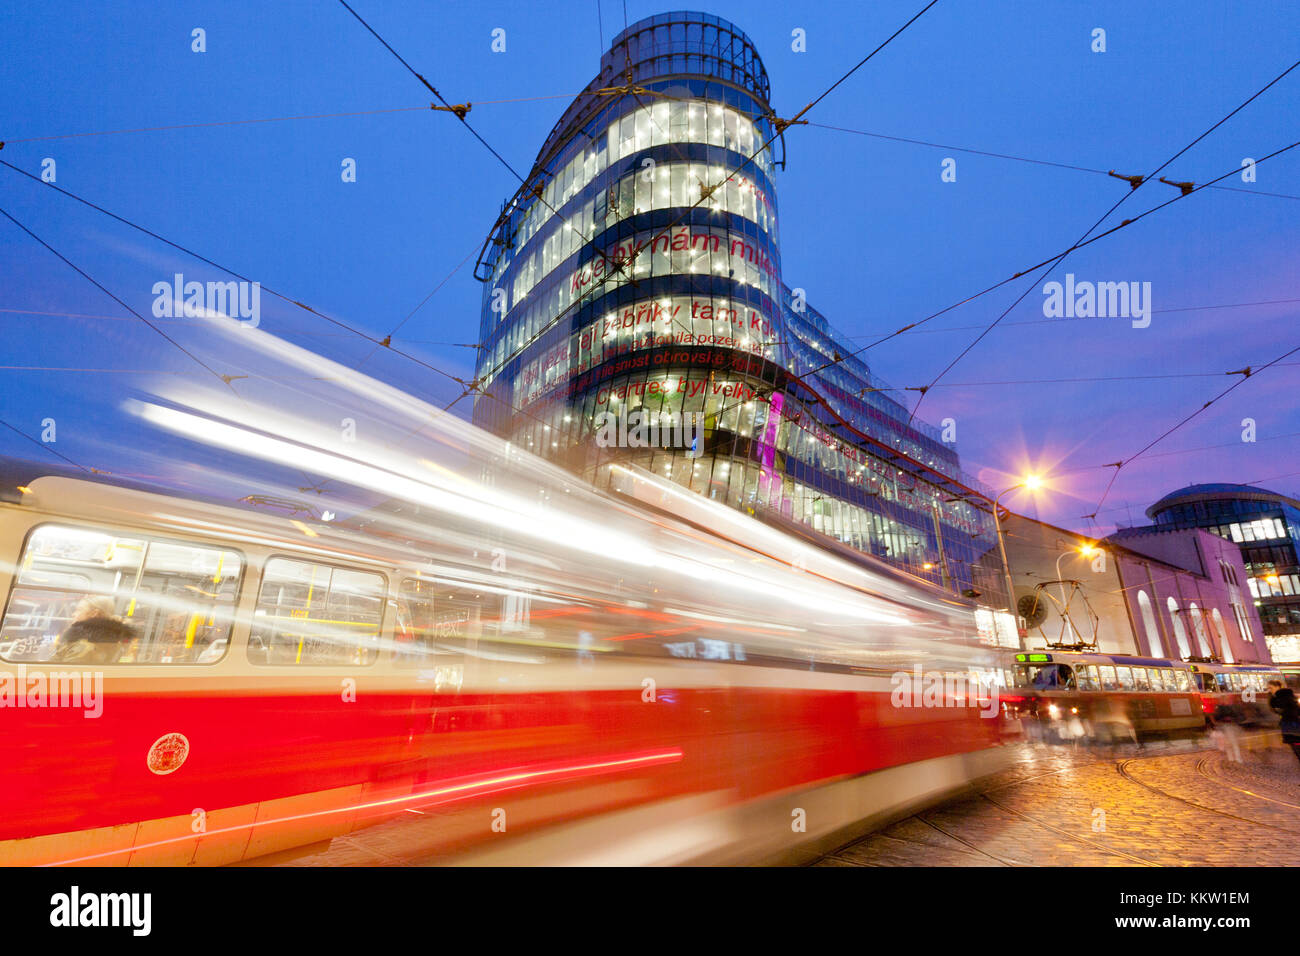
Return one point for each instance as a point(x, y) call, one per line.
point(868, 227)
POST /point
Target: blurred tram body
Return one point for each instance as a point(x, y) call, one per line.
point(534, 671)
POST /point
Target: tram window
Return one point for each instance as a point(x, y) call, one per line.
point(435, 623)
point(1086, 674)
point(1106, 673)
point(1125, 676)
point(96, 597)
point(1046, 676)
point(1183, 680)
point(316, 614)
point(1140, 679)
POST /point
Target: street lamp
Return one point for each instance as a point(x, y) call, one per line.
point(1032, 482)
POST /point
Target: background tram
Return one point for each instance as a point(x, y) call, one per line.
point(1064, 695)
point(1243, 688)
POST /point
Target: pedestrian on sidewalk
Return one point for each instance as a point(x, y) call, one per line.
point(1226, 734)
point(1290, 725)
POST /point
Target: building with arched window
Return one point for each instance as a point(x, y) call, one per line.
point(634, 314)
point(1195, 577)
point(1150, 627)
point(1265, 526)
point(1168, 594)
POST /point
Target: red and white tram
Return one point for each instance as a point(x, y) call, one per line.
point(1070, 694)
point(1242, 688)
point(542, 676)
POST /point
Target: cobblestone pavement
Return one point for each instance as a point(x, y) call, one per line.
point(1174, 804)
point(1166, 804)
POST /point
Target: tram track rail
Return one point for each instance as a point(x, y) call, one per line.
point(946, 831)
point(1122, 766)
point(1070, 836)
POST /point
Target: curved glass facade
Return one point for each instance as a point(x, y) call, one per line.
point(634, 312)
point(1266, 526)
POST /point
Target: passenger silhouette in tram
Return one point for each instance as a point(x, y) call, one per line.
point(95, 635)
point(1054, 677)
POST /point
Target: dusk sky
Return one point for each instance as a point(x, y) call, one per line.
point(868, 227)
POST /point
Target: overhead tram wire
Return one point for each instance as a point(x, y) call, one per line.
point(227, 380)
point(780, 126)
point(1246, 373)
point(1086, 241)
point(1099, 236)
point(1256, 482)
point(1122, 199)
point(386, 341)
point(1185, 308)
point(1021, 159)
point(270, 119)
point(53, 451)
point(285, 298)
point(70, 264)
point(295, 332)
point(1102, 235)
point(294, 302)
point(216, 265)
point(190, 252)
point(558, 96)
point(459, 110)
point(1066, 381)
point(474, 386)
point(997, 285)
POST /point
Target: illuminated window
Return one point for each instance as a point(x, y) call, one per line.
point(96, 597)
point(316, 614)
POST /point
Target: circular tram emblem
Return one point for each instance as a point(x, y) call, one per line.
point(168, 753)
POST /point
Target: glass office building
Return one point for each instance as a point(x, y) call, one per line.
point(634, 312)
point(1266, 525)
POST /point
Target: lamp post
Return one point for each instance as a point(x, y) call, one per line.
point(1031, 482)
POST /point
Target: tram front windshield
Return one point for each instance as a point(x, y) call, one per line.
point(1045, 676)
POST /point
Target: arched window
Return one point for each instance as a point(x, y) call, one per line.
point(1243, 623)
point(1180, 632)
point(1198, 627)
point(1222, 632)
point(1149, 623)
